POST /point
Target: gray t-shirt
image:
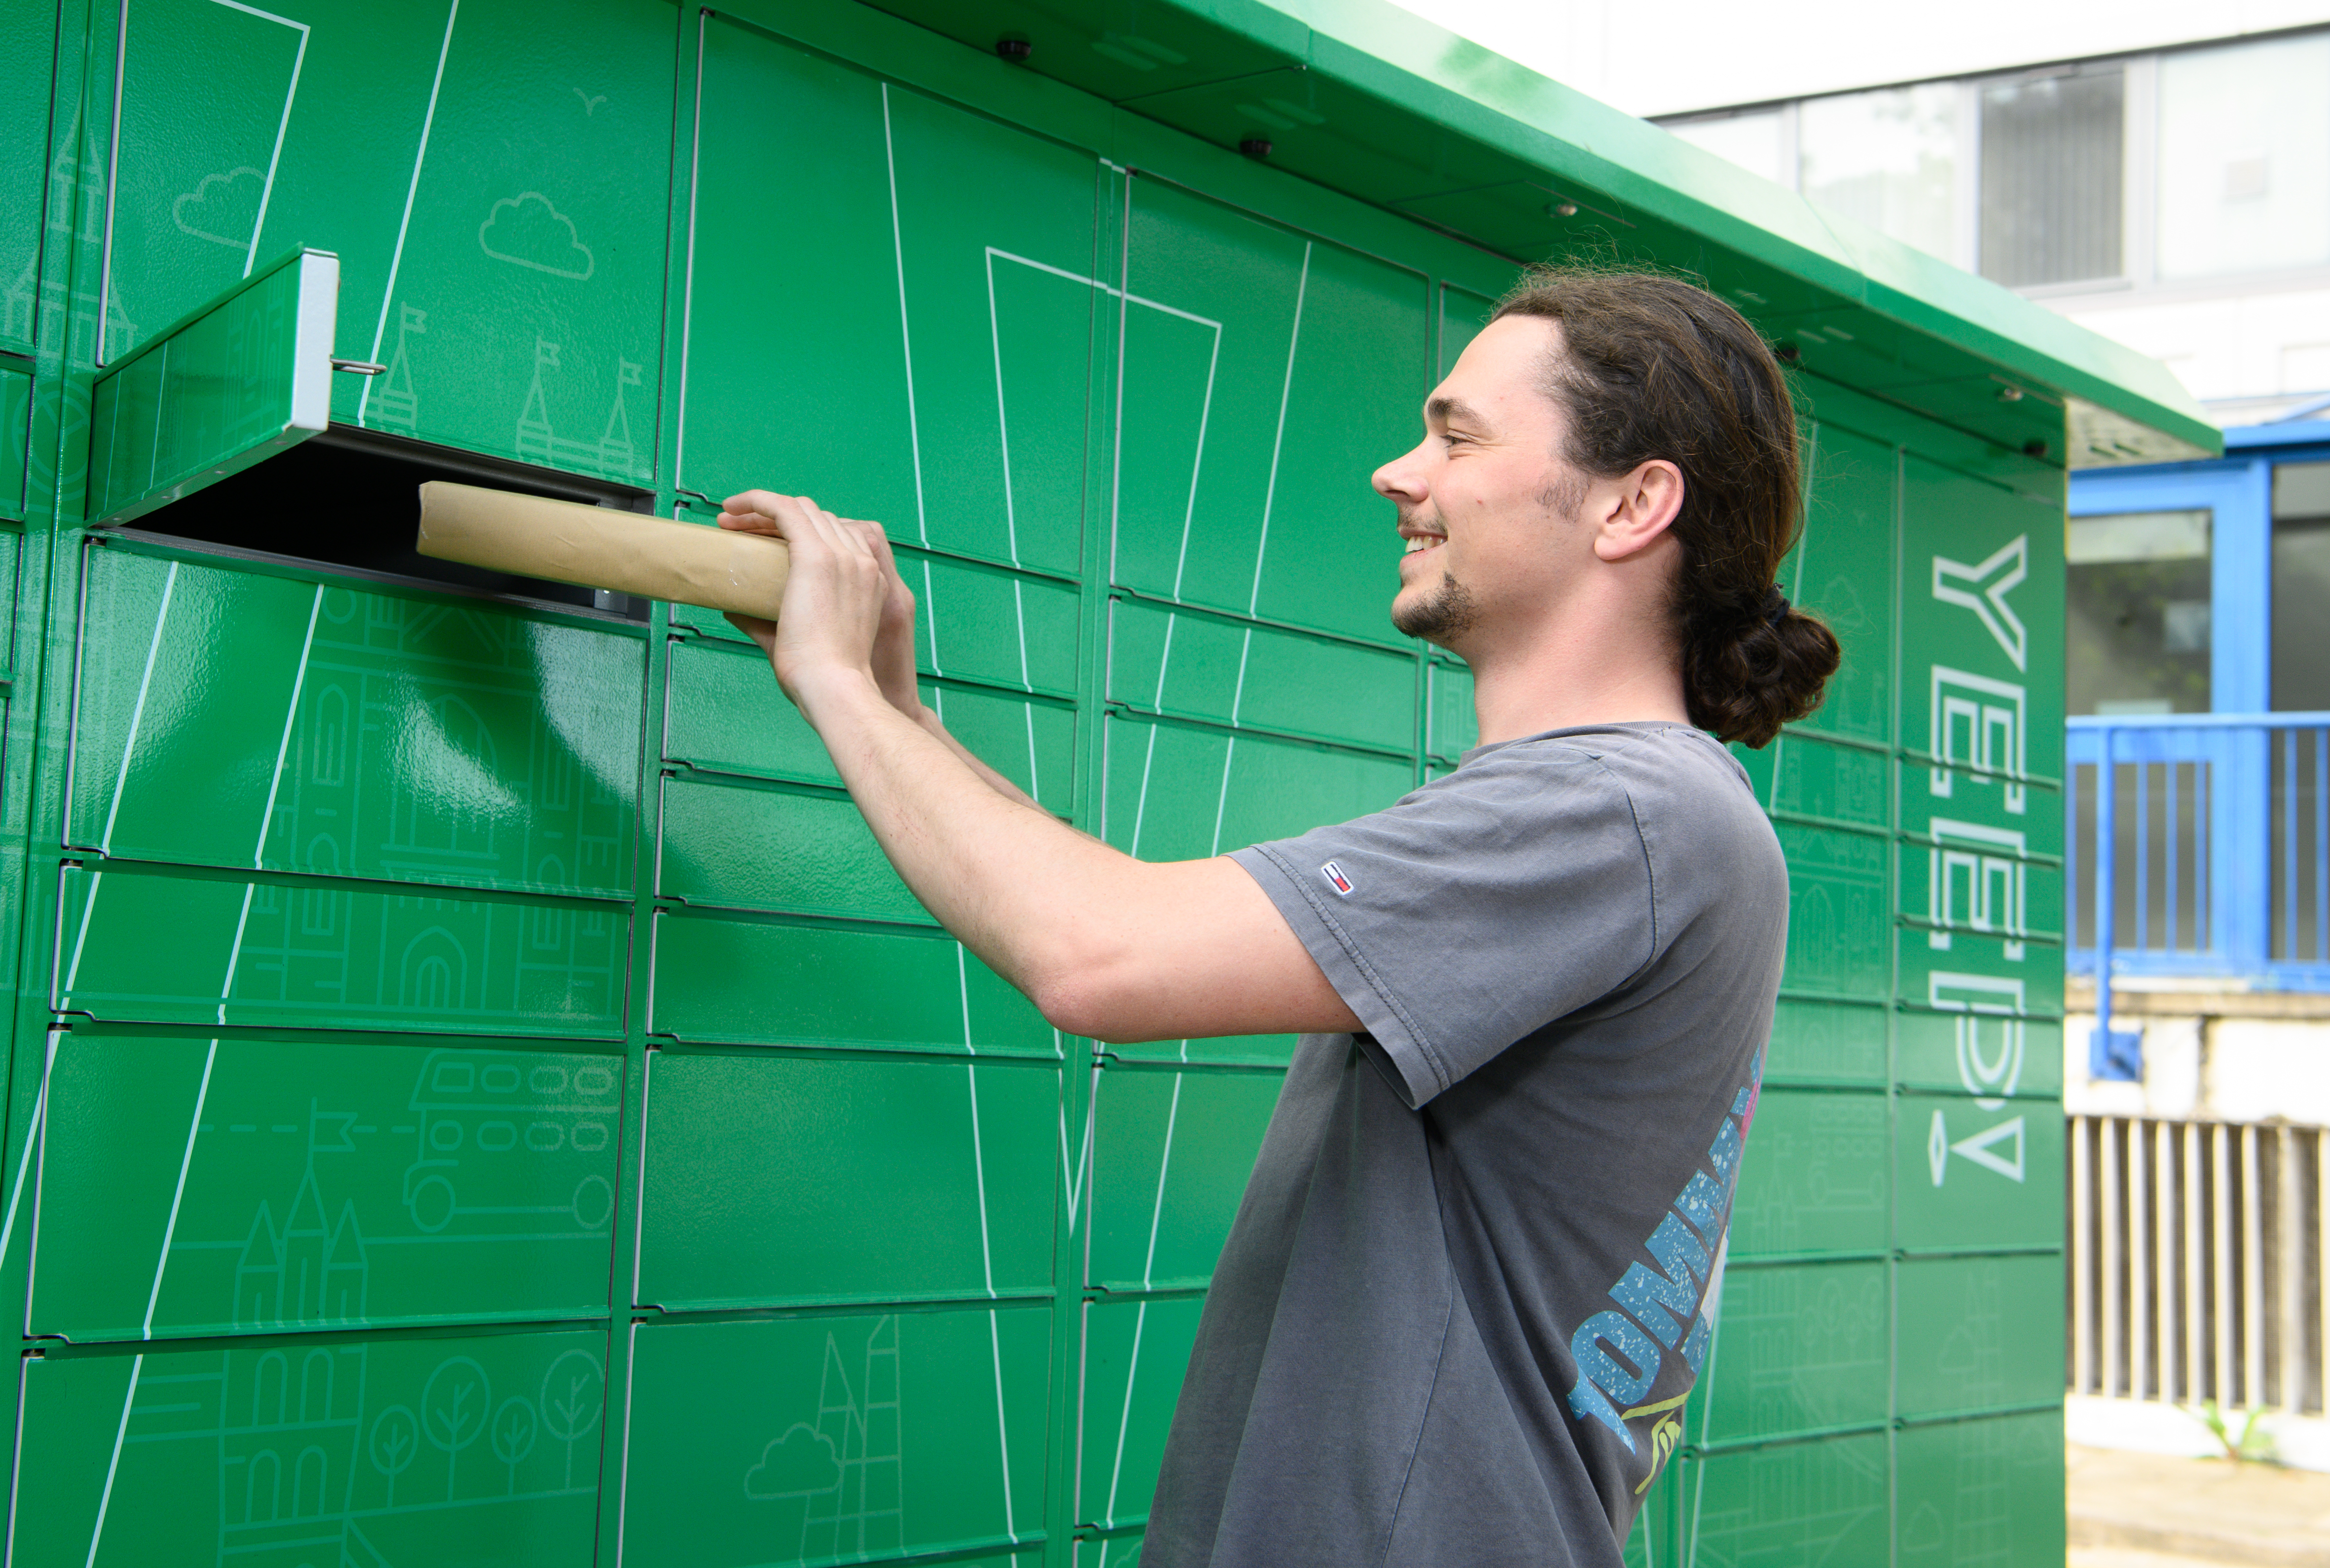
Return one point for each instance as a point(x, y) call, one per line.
point(1471, 1280)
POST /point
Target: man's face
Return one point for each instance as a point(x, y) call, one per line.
point(1487, 505)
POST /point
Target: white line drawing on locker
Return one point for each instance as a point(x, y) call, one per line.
point(527, 230)
point(249, 246)
point(1992, 718)
point(1977, 883)
point(412, 320)
point(400, 405)
point(350, 1447)
point(1981, 1148)
point(499, 1103)
point(223, 215)
point(846, 1468)
point(1983, 588)
point(1991, 1080)
point(612, 456)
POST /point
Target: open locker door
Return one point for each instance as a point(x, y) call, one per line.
point(244, 377)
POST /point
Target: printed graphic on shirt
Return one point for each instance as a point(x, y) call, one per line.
point(1335, 878)
point(1668, 1310)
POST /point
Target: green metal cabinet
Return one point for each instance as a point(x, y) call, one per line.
point(476, 1092)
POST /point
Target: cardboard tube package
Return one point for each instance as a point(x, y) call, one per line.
point(600, 547)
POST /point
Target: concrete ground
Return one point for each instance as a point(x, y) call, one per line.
point(2136, 1510)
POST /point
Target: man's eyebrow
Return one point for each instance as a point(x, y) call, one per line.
point(1442, 410)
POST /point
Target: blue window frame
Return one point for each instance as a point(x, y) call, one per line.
point(2231, 833)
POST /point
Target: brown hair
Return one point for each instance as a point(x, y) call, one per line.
point(1653, 368)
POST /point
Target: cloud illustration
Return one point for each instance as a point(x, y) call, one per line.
point(527, 230)
point(801, 1464)
point(223, 209)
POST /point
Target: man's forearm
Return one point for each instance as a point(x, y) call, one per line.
point(1037, 900)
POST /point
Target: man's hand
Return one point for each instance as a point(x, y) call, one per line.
point(846, 607)
point(1103, 945)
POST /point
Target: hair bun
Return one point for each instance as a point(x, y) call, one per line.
point(1769, 668)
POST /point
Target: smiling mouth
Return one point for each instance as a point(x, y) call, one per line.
point(1419, 542)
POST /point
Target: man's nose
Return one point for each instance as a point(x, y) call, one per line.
point(1402, 479)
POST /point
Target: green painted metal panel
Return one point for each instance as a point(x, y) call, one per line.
point(740, 847)
point(1217, 670)
point(1177, 791)
point(335, 955)
point(826, 985)
point(1970, 1173)
point(1463, 314)
point(240, 378)
point(1981, 1051)
point(1033, 744)
point(724, 714)
point(1836, 910)
point(1827, 1041)
point(980, 624)
point(1981, 1491)
point(1451, 727)
point(228, 717)
point(16, 436)
point(381, 1450)
point(1980, 1332)
point(919, 245)
point(1135, 1352)
point(28, 37)
point(1170, 1154)
point(250, 1186)
point(494, 187)
point(1278, 371)
point(1805, 1349)
point(838, 1152)
point(1803, 774)
point(1818, 1180)
point(837, 1438)
point(976, 624)
point(1797, 1503)
point(1842, 570)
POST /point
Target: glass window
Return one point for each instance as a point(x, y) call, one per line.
point(1888, 159)
point(2245, 157)
point(2137, 613)
point(2301, 587)
point(1754, 140)
point(2052, 156)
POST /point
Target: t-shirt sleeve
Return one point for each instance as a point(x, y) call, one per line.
point(1476, 911)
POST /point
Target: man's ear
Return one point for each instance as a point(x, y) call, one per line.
point(1638, 513)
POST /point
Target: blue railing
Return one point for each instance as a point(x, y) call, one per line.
point(2218, 825)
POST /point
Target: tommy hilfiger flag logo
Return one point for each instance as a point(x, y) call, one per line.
point(1335, 878)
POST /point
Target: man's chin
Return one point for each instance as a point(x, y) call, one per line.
point(1437, 613)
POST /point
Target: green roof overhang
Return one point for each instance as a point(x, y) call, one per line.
point(1385, 106)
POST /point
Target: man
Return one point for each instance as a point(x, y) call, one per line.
point(1468, 1288)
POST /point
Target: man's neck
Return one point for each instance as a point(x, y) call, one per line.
point(1586, 668)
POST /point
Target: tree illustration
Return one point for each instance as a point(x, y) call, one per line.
point(513, 1431)
point(453, 1409)
point(572, 1391)
point(395, 1438)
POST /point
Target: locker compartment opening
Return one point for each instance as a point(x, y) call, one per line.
point(350, 500)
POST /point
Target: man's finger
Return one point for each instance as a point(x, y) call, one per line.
point(762, 632)
point(767, 512)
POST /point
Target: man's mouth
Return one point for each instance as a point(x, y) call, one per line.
point(1419, 542)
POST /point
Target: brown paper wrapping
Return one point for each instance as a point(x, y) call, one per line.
point(600, 547)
